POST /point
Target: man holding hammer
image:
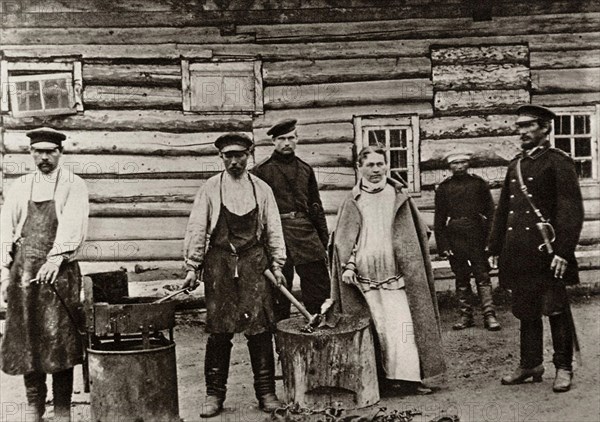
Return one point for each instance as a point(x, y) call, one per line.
point(233, 235)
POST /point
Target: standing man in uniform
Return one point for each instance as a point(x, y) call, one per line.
point(463, 213)
point(536, 229)
point(304, 226)
point(43, 223)
point(233, 236)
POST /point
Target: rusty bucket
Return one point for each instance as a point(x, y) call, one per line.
point(133, 382)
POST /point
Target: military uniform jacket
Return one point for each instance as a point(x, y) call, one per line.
point(462, 197)
point(554, 188)
point(295, 188)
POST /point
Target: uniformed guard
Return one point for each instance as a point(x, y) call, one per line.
point(463, 213)
point(302, 217)
point(535, 232)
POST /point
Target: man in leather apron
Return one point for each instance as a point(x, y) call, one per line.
point(535, 271)
point(302, 216)
point(44, 220)
point(463, 214)
point(233, 235)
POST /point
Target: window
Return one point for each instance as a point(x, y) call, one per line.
point(222, 87)
point(399, 136)
point(41, 89)
point(575, 131)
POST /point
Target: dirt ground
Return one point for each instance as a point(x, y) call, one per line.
point(476, 360)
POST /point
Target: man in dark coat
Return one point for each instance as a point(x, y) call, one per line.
point(464, 209)
point(302, 216)
point(233, 236)
point(537, 265)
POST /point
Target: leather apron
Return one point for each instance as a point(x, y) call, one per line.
point(39, 336)
point(238, 296)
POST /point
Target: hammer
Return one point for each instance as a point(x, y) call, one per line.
point(313, 320)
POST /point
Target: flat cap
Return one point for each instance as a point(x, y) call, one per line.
point(531, 112)
point(233, 142)
point(282, 127)
point(454, 156)
point(46, 137)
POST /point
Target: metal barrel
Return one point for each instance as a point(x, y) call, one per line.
point(130, 383)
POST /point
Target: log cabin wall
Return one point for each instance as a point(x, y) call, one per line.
point(323, 62)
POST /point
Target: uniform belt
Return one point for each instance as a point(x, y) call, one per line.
point(292, 215)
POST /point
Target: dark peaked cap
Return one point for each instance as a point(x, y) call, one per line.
point(46, 136)
point(531, 112)
point(233, 142)
point(282, 127)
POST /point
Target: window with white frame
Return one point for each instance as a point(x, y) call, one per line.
point(575, 131)
point(40, 88)
point(399, 136)
point(222, 87)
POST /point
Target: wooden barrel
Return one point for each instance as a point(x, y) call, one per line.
point(330, 366)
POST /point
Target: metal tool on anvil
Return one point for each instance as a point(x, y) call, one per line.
point(317, 320)
point(185, 290)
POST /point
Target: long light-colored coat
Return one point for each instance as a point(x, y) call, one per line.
point(410, 239)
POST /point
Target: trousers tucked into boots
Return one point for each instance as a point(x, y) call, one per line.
point(62, 390)
point(532, 342)
point(262, 359)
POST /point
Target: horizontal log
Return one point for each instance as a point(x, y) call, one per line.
point(136, 120)
point(139, 97)
point(419, 28)
point(467, 126)
point(116, 165)
point(118, 142)
point(457, 102)
point(344, 70)
point(192, 15)
point(493, 175)
point(322, 95)
point(133, 190)
point(341, 114)
point(323, 155)
point(319, 133)
point(488, 151)
point(140, 209)
point(567, 99)
point(131, 250)
point(117, 35)
point(136, 228)
point(549, 81)
point(564, 59)
point(488, 76)
point(307, 51)
point(132, 74)
point(485, 54)
point(170, 51)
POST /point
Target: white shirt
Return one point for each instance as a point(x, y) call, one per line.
point(72, 210)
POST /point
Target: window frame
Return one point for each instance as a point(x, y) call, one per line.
point(362, 124)
point(187, 70)
point(38, 71)
point(594, 112)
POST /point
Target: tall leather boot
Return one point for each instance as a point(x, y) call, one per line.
point(487, 307)
point(216, 372)
point(62, 389)
point(466, 310)
point(262, 360)
point(36, 391)
point(562, 340)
